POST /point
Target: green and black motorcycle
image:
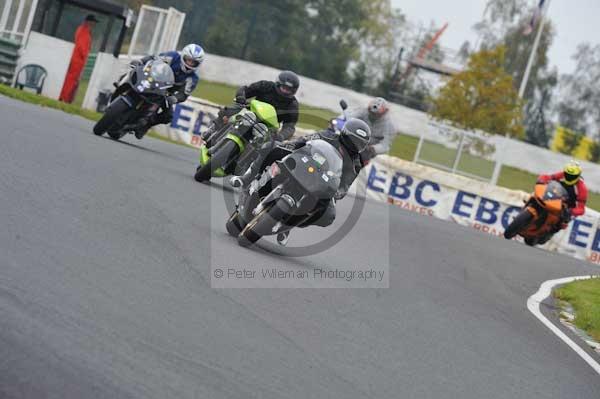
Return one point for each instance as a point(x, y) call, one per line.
point(232, 148)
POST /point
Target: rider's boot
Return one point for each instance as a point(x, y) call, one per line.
point(243, 180)
point(142, 128)
point(283, 238)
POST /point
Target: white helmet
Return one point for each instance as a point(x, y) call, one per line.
point(378, 107)
point(192, 56)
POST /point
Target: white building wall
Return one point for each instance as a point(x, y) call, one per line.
point(51, 53)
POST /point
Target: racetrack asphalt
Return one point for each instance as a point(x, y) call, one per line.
point(106, 254)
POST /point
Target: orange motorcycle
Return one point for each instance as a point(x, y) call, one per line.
point(545, 209)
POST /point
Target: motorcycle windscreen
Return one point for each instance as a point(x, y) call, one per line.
point(554, 195)
point(265, 112)
point(318, 168)
point(162, 74)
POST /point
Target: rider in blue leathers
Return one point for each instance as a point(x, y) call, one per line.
point(185, 66)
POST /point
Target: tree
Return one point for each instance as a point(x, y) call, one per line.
point(359, 77)
point(499, 18)
point(537, 124)
point(518, 49)
point(353, 43)
point(579, 105)
point(570, 141)
point(572, 116)
point(402, 82)
point(482, 97)
point(504, 24)
point(379, 51)
point(317, 38)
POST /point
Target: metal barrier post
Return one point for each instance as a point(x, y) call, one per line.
point(502, 144)
point(496, 174)
point(4, 15)
point(418, 150)
point(17, 22)
point(458, 152)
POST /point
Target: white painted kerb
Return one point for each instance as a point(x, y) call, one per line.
point(533, 304)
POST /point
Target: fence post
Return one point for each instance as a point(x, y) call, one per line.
point(418, 150)
point(17, 22)
point(496, 174)
point(500, 150)
point(458, 152)
point(160, 26)
point(4, 15)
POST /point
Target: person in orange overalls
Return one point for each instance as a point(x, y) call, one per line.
point(83, 44)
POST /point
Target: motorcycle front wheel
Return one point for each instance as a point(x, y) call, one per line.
point(218, 160)
point(521, 221)
point(110, 117)
point(263, 223)
point(233, 224)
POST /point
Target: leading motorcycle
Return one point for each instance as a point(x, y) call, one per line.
point(140, 93)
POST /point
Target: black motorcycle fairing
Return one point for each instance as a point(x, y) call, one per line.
point(144, 89)
point(315, 167)
point(308, 178)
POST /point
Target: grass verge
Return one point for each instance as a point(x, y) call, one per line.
point(47, 102)
point(584, 296)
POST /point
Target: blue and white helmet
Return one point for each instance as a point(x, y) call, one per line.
point(192, 56)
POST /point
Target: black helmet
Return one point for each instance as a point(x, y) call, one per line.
point(355, 135)
point(287, 84)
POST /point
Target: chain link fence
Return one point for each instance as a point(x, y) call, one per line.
point(458, 151)
point(157, 30)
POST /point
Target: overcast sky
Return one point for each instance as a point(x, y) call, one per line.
point(575, 20)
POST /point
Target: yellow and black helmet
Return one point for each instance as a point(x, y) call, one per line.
point(572, 172)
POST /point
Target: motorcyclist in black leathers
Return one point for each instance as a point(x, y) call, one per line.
point(352, 140)
point(280, 94)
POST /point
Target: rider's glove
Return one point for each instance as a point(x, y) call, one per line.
point(172, 100)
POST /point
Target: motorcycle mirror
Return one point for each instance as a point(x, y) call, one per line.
point(343, 104)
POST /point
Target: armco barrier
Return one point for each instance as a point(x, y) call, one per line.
point(9, 55)
point(484, 207)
